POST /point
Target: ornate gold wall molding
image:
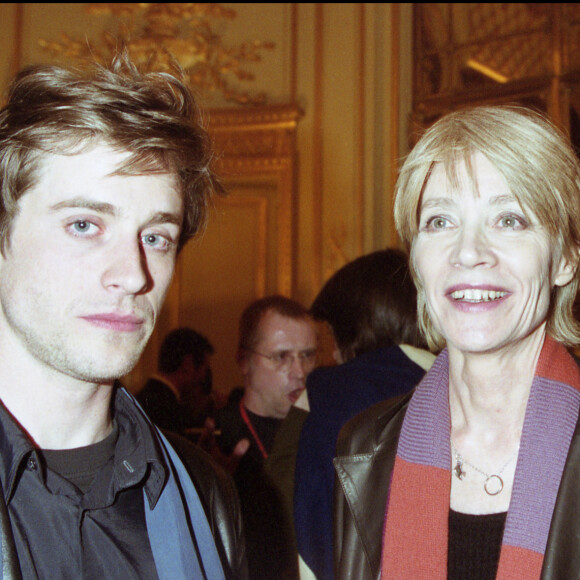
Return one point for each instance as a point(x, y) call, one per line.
point(263, 133)
point(159, 34)
point(257, 144)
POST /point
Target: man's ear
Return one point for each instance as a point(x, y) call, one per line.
point(564, 272)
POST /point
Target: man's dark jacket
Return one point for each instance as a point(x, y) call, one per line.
point(366, 452)
point(217, 493)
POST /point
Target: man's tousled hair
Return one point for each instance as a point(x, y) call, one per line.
point(152, 115)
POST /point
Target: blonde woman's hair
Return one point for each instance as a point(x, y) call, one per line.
point(541, 170)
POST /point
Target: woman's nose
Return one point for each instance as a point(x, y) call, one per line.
point(472, 248)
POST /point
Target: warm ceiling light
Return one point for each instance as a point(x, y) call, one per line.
point(487, 71)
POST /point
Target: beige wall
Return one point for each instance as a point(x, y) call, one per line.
point(347, 66)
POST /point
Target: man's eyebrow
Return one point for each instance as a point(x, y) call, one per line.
point(161, 217)
point(83, 203)
point(165, 217)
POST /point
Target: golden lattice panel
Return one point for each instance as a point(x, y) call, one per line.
point(515, 39)
point(493, 21)
point(462, 46)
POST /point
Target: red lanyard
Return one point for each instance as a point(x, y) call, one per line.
point(248, 422)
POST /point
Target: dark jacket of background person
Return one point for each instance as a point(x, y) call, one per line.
point(335, 395)
point(162, 406)
point(264, 517)
point(366, 462)
point(370, 306)
point(184, 374)
point(280, 467)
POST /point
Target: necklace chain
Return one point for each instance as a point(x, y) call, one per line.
point(493, 484)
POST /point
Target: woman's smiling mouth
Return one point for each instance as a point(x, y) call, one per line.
point(477, 295)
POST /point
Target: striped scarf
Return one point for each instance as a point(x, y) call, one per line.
point(416, 523)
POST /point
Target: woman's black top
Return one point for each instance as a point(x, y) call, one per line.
point(474, 545)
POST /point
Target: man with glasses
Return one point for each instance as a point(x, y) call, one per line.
point(276, 352)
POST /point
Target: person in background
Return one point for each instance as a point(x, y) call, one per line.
point(475, 473)
point(370, 308)
point(277, 350)
point(184, 365)
point(104, 175)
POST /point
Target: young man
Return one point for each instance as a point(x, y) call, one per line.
point(103, 178)
point(276, 352)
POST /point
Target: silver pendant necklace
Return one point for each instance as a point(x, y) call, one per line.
point(493, 484)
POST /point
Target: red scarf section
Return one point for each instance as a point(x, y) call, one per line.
point(415, 542)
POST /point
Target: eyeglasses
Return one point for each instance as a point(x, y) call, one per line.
point(284, 359)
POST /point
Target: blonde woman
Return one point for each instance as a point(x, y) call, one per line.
point(475, 474)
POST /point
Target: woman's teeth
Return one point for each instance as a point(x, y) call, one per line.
point(474, 295)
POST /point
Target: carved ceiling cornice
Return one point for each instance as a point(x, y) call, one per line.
point(265, 134)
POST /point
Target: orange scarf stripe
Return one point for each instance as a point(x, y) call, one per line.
point(517, 563)
point(554, 364)
point(412, 552)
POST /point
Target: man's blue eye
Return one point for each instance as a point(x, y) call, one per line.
point(157, 241)
point(81, 226)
